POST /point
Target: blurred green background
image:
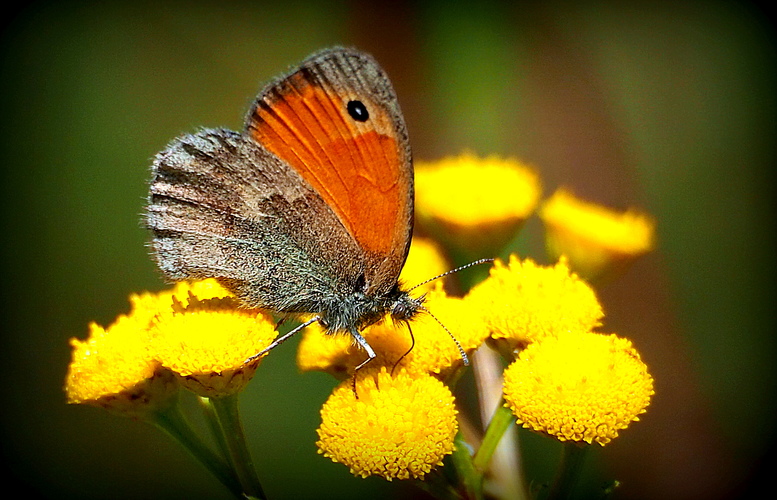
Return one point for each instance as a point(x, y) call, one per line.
point(667, 107)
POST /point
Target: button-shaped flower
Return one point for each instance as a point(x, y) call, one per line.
point(399, 427)
point(585, 387)
point(206, 344)
point(522, 302)
point(596, 239)
point(473, 204)
point(114, 369)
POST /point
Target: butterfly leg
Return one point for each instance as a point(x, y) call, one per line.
point(364, 345)
point(283, 339)
point(370, 355)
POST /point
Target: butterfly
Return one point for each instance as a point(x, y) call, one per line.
point(308, 210)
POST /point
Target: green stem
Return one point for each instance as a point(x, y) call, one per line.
point(212, 421)
point(500, 422)
point(470, 477)
point(569, 471)
point(436, 485)
point(228, 414)
point(172, 421)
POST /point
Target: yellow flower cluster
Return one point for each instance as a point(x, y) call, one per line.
point(194, 333)
point(207, 344)
point(522, 307)
point(396, 417)
point(566, 381)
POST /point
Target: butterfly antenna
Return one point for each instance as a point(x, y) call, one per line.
point(446, 273)
point(282, 339)
point(458, 344)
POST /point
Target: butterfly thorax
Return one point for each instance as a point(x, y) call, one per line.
point(359, 310)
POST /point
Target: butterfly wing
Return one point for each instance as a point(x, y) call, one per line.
point(359, 163)
point(222, 206)
point(307, 206)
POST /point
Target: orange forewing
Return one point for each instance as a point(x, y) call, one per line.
point(355, 167)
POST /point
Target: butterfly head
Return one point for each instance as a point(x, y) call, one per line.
point(360, 309)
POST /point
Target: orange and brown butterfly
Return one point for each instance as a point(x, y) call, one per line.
point(308, 210)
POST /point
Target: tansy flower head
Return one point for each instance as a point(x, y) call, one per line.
point(596, 239)
point(475, 204)
point(207, 343)
point(522, 302)
point(319, 351)
point(582, 388)
point(151, 304)
point(425, 261)
point(399, 427)
point(433, 349)
point(114, 369)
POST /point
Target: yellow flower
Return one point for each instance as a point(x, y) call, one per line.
point(207, 343)
point(202, 289)
point(400, 426)
point(583, 388)
point(114, 369)
point(473, 204)
point(425, 261)
point(597, 240)
point(522, 302)
point(434, 351)
point(319, 351)
point(165, 301)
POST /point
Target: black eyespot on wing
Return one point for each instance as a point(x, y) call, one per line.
point(358, 111)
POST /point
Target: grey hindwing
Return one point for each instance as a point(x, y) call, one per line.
point(221, 205)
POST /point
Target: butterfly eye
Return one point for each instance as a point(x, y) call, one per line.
point(361, 284)
point(358, 111)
